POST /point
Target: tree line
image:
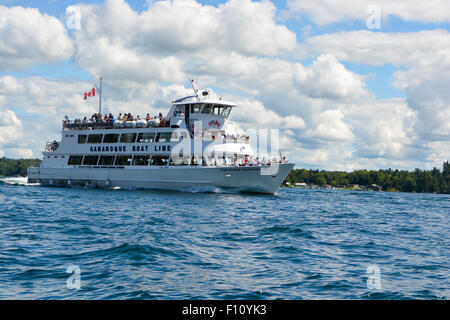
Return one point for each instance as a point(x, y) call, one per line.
point(16, 167)
point(432, 181)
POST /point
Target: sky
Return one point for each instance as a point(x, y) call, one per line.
point(350, 84)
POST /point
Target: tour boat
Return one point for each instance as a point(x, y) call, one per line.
point(193, 146)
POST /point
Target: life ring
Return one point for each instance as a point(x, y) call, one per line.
point(162, 123)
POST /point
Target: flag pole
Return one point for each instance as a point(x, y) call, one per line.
point(100, 96)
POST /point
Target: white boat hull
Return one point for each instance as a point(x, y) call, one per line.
point(244, 179)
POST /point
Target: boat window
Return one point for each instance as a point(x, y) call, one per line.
point(123, 160)
point(207, 108)
point(75, 160)
point(178, 110)
point(218, 109)
point(174, 137)
point(128, 137)
point(226, 111)
point(146, 137)
point(82, 138)
point(163, 137)
point(159, 161)
point(177, 136)
point(90, 160)
point(95, 138)
point(111, 138)
point(106, 160)
point(195, 108)
point(141, 160)
point(180, 160)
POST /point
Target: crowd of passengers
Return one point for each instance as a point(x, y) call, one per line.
point(109, 118)
point(240, 162)
point(244, 162)
point(219, 135)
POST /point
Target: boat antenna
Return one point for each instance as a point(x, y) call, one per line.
point(100, 96)
point(194, 88)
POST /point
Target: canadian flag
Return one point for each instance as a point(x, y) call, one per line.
point(90, 93)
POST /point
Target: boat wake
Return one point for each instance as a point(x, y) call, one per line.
point(210, 189)
point(198, 189)
point(18, 181)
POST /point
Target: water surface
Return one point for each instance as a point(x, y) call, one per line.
point(298, 244)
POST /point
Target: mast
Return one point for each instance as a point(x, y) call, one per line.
point(194, 88)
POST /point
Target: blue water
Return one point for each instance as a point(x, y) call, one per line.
point(298, 244)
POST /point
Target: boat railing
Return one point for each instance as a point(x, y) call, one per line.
point(154, 123)
point(68, 125)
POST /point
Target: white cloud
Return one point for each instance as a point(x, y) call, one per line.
point(324, 12)
point(383, 129)
point(28, 37)
point(378, 48)
point(327, 78)
point(331, 126)
point(243, 26)
point(11, 130)
point(426, 86)
point(410, 129)
point(116, 41)
point(254, 114)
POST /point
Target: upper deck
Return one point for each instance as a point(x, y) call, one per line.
point(211, 111)
point(77, 125)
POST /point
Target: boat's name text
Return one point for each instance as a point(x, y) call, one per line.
point(159, 148)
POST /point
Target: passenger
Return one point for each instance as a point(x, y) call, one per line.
point(148, 117)
point(138, 118)
point(160, 116)
point(120, 118)
point(181, 114)
point(125, 118)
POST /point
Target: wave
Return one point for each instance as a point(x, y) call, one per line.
point(18, 181)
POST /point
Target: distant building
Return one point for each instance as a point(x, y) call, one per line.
point(375, 187)
point(301, 185)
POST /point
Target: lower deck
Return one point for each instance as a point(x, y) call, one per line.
point(259, 179)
